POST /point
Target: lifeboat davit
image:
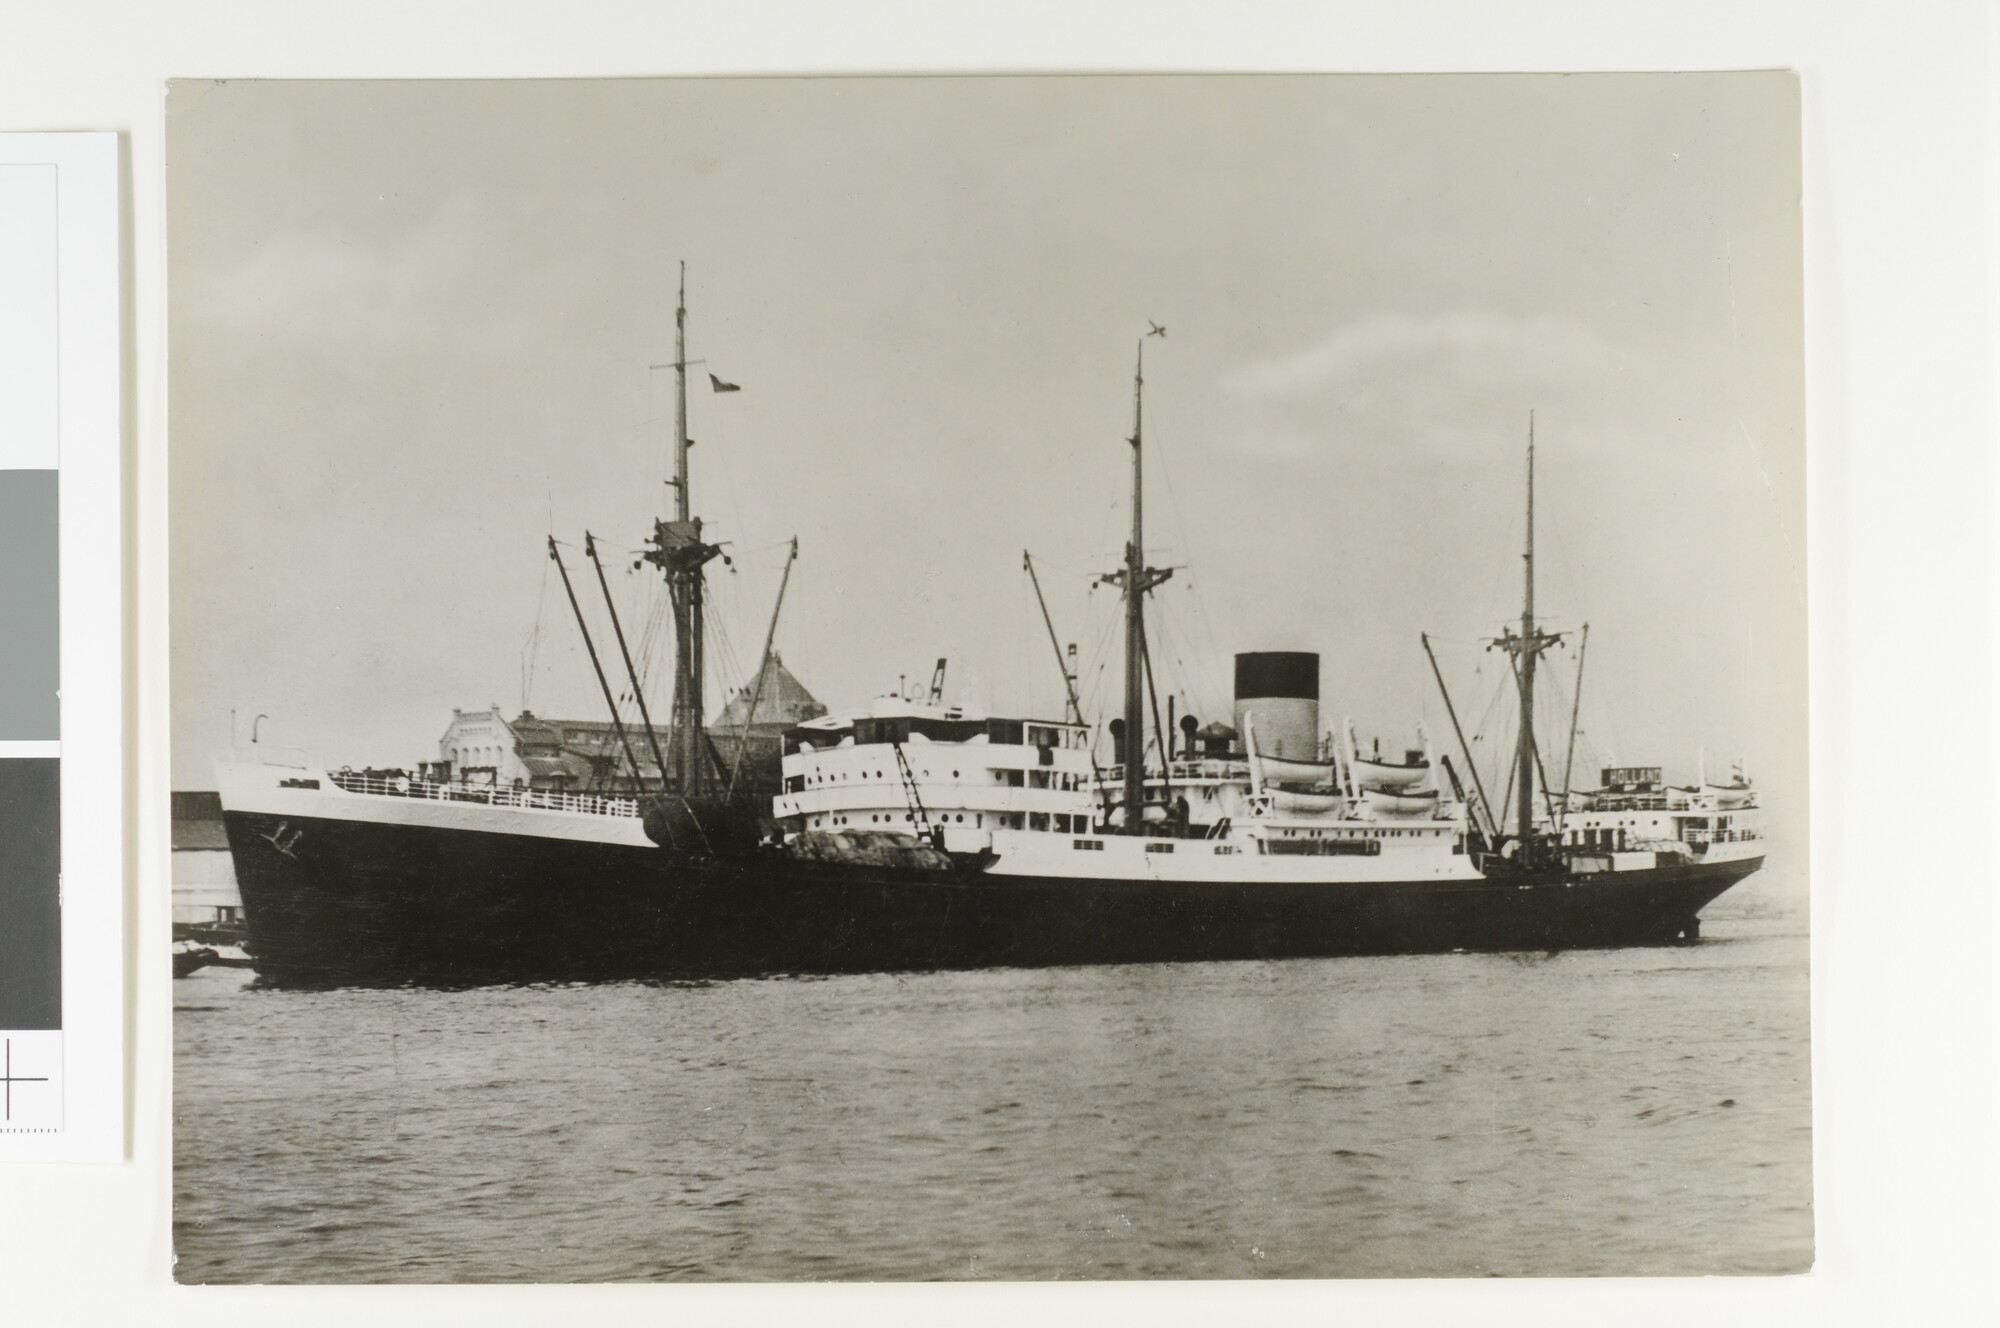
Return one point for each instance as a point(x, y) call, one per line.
point(1400, 802)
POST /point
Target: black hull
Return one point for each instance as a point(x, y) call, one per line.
point(361, 903)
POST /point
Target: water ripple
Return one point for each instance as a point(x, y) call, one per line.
point(1585, 1113)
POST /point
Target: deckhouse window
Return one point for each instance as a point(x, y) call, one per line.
point(1004, 730)
point(946, 730)
point(868, 731)
point(814, 740)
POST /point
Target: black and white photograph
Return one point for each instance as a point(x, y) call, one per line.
point(1017, 678)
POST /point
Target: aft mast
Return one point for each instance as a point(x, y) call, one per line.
point(678, 550)
point(1524, 773)
point(1135, 579)
point(1526, 649)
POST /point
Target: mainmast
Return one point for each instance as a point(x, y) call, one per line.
point(1135, 579)
point(678, 549)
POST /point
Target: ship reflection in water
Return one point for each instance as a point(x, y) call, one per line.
point(1594, 1112)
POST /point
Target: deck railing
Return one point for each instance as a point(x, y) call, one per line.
point(551, 800)
point(1722, 836)
point(1183, 771)
point(1627, 802)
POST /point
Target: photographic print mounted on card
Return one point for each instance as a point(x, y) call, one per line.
point(1017, 677)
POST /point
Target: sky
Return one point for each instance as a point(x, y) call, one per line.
point(414, 330)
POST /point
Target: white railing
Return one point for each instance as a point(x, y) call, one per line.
point(1183, 771)
point(1629, 802)
point(1722, 836)
point(550, 800)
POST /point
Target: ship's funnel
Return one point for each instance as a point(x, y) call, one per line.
point(1282, 687)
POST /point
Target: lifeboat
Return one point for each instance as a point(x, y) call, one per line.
point(1399, 802)
point(1728, 795)
point(1295, 800)
point(1280, 770)
point(1388, 775)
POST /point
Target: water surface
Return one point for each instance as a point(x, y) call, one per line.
point(1599, 1112)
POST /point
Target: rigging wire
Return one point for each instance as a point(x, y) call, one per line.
point(1193, 586)
point(531, 648)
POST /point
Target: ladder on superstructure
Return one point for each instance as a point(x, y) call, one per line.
point(916, 800)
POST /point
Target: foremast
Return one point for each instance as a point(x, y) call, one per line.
point(1134, 580)
point(678, 549)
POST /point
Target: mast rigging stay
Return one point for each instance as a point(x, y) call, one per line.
point(1575, 708)
point(1069, 678)
point(763, 668)
point(638, 692)
point(617, 724)
point(1471, 766)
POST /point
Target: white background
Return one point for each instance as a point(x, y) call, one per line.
point(27, 310)
point(1900, 128)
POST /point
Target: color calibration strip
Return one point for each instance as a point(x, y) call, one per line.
point(60, 1039)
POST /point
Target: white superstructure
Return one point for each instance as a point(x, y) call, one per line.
point(1027, 791)
point(1637, 812)
point(902, 765)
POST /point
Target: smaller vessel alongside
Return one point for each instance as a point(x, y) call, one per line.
point(191, 957)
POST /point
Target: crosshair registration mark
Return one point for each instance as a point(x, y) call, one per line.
point(9, 1078)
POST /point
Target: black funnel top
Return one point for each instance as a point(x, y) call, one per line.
point(1274, 673)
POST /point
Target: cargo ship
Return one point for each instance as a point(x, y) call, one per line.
point(910, 835)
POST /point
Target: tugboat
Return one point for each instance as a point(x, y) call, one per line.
point(909, 835)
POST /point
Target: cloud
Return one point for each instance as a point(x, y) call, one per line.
point(452, 277)
point(1439, 383)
